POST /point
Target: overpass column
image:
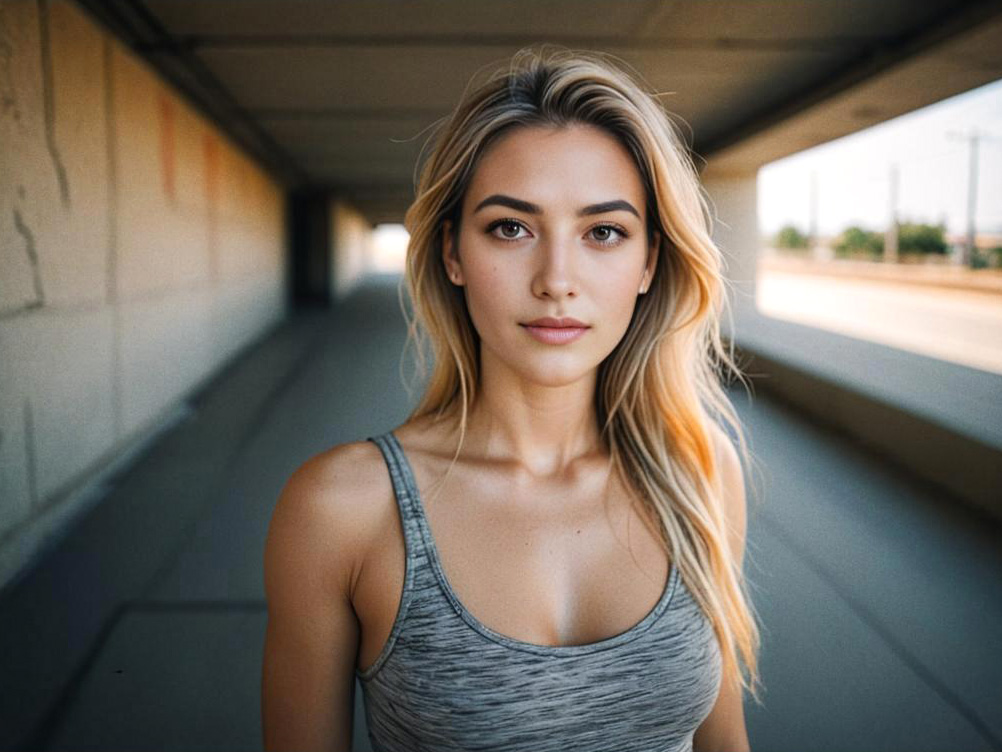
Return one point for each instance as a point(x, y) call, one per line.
point(309, 237)
point(734, 206)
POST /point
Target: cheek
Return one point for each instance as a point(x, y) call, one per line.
point(620, 290)
point(490, 290)
point(619, 301)
point(616, 284)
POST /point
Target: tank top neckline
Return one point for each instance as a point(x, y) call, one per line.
point(671, 584)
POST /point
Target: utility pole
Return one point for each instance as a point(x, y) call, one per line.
point(891, 236)
point(972, 196)
point(812, 225)
point(973, 139)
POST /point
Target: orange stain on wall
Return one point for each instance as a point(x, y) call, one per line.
point(210, 157)
point(211, 166)
point(167, 156)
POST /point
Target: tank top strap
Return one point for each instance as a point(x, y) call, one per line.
point(406, 493)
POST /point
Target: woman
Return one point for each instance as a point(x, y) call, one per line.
point(547, 554)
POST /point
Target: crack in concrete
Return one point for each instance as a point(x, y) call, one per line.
point(49, 100)
point(8, 93)
point(29, 248)
point(111, 280)
point(111, 135)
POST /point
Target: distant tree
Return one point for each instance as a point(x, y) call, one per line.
point(987, 258)
point(855, 241)
point(790, 237)
point(921, 238)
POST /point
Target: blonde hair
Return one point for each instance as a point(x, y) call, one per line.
point(659, 389)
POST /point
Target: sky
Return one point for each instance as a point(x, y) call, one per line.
point(931, 152)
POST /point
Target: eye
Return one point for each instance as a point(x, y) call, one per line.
point(509, 229)
point(608, 234)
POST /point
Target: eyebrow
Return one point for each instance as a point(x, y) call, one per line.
point(499, 199)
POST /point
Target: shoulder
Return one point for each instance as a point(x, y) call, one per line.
point(328, 513)
point(732, 488)
point(727, 458)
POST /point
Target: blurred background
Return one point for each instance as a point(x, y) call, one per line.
point(200, 253)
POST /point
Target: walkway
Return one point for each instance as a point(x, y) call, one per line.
point(882, 602)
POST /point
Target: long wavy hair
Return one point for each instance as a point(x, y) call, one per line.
point(660, 389)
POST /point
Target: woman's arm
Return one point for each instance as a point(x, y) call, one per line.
point(307, 682)
point(723, 730)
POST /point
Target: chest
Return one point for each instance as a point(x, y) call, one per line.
point(550, 565)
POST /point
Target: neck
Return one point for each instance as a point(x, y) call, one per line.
point(542, 430)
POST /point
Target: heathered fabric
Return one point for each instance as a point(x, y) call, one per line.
point(444, 681)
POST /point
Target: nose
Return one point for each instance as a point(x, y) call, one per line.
point(555, 269)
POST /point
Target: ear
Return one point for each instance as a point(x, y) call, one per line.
point(652, 262)
point(450, 257)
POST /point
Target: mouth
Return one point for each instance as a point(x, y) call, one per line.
point(555, 335)
point(548, 322)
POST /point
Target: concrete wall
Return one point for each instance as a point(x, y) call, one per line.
point(350, 247)
point(139, 251)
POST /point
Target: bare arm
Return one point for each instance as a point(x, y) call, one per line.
point(724, 730)
point(307, 681)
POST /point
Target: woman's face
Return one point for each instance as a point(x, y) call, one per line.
point(553, 225)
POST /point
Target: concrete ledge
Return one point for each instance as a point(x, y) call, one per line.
point(937, 419)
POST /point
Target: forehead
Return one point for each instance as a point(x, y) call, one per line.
point(575, 165)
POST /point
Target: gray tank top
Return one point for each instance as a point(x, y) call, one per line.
point(444, 681)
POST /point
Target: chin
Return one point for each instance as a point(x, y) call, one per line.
point(557, 374)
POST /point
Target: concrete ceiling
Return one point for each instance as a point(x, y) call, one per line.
point(341, 95)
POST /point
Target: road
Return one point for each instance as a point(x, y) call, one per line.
point(956, 325)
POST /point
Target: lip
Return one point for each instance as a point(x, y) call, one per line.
point(552, 323)
point(552, 331)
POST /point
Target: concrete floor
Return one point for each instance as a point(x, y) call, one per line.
point(881, 600)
